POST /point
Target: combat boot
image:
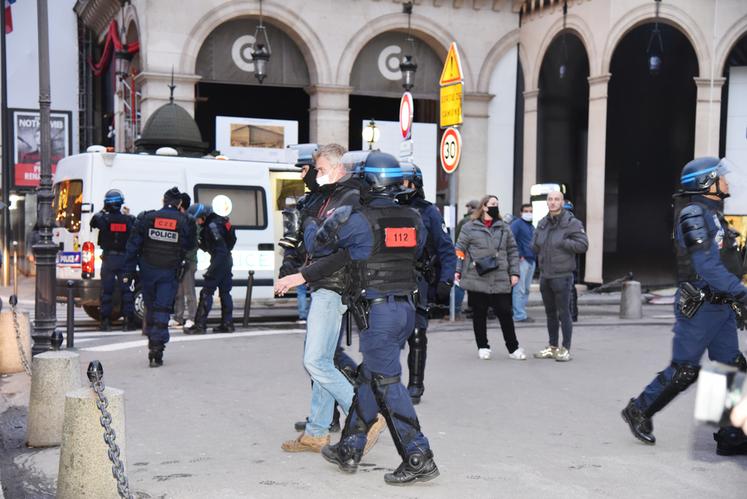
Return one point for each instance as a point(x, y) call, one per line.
point(155, 354)
point(641, 426)
point(224, 328)
point(106, 324)
point(344, 456)
point(416, 393)
point(129, 324)
point(418, 467)
point(730, 441)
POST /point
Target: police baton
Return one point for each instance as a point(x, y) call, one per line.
point(348, 328)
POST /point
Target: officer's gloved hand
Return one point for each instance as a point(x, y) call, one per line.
point(128, 278)
point(443, 291)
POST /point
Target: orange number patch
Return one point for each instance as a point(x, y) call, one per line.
point(165, 223)
point(118, 227)
point(400, 237)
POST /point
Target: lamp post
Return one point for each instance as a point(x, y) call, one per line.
point(44, 335)
point(262, 50)
point(563, 69)
point(655, 48)
point(408, 66)
point(371, 134)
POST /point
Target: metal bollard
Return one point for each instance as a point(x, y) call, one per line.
point(70, 320)
point(248, 298)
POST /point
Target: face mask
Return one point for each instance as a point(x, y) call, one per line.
point(310, 180)
point(527, 217)
point(322, 180)
point(493, 212)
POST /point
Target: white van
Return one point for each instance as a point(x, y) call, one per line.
point(245, 191)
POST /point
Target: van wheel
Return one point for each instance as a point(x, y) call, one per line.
point(94, 312)
point(137, 298)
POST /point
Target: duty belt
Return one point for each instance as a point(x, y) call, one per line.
point(384, 299)
point(717, 298)
point(113, 252)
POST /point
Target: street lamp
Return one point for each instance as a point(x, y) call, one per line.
point(262, 51)
point(408, 67)
point(654, 51)
point(371, 134)
point(563, 69)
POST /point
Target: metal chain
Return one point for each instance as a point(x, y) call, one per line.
point(118, 471)
point(21, 354)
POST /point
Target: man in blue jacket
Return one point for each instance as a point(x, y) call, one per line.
point(523, 230)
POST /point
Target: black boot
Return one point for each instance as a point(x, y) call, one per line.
point(155, 354)
point(200, 326)
point(106, 324)
point(344, 456)
point(641, 426)
point(419, 467)
point(418, 342)
point(730, 441)
point(129, 324)
point(224, 328)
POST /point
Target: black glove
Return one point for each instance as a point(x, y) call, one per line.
point(443, 292)
point(128, 278)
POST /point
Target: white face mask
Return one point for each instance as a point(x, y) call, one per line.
point(527, 217)
point(322, 180)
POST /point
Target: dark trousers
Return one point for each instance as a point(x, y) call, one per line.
point(159, 289)
point(112, 271)
point(503, 308)
point(556, 295)
point(221, 279)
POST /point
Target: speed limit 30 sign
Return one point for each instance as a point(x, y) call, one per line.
point(451, 150)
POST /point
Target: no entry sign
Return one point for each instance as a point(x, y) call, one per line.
point(406, 109)
point(451, 150)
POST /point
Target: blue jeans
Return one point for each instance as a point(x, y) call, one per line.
point(322, 337)
point(458, 298)
point(303, 304)
point(520, 293)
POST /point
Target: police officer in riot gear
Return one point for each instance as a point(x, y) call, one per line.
point(710, 290)
point(436, 267)
point(217, 238)
point(157, 245)
point(114, 230)
point(381, 242)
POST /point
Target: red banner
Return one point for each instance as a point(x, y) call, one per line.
point(29, 174)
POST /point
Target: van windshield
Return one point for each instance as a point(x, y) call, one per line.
point(68, 196)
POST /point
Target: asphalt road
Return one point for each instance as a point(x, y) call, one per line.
point(210, 423)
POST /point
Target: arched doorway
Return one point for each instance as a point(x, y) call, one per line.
point(229, 88)
point(650, 136)
point(735, 72)
point(562, 118)
point(377, 88)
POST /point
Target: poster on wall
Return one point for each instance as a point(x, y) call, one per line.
point(255, 139)
point(26, 145)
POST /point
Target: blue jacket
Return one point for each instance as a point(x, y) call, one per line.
point(438, 242)
point(523, 232)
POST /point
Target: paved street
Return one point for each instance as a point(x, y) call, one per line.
point(210, 423)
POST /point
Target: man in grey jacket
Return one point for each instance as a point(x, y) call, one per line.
point(559, 237)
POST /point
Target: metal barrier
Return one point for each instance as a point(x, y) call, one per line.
point(248, 299)
point(70, 319)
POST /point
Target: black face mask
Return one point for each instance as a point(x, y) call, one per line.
point(493, 212)
point(310, 179)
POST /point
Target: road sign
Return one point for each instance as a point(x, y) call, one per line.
point(451, 150)
point(452, 71)
point(406, 109)
point(451, 105)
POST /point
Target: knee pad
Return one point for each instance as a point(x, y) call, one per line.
point(684, 375)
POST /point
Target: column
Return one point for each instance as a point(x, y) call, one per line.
point(329, 114)
point(529, 176)
point(708, 116)
point(154, 88)
point(595, 169)
point(471, 174)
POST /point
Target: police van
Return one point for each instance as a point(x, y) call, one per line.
point(251, 193)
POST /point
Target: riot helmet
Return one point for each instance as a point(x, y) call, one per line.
point(568, 205)
point(414, 175)
point(701, 173)
point(381, 174)
point(113, 200)
point(199, 210)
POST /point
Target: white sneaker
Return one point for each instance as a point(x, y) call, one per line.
point(174, 323)
point(518, 354)
point(188, 323)
point(483, 353)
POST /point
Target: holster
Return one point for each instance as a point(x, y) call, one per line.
point(691, 299)
point(180, 270)
point(359, 310)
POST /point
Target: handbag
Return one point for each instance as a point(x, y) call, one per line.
point(486, 264)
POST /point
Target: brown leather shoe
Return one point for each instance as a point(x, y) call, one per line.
point(305, 443)
point(373, 433)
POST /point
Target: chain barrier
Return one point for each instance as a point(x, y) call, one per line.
point(21, 354)
point(95, 376)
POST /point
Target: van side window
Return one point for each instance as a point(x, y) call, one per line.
point(68, 197)
point(246, 206)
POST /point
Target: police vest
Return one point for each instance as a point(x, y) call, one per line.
point(162, 246)
point(726, 239)
point(391, 267)
point(219, 230)
point(339, 280)
point(114, 231)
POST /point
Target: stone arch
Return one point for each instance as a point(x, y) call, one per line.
point(577, 26)
point(733, 35)
point(668, 14)
point(130, 20)
point(290, 22)
point(496, 53)
point(423, 28)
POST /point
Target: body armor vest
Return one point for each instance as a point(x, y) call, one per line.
point(728, 249)
point(114, 231)
point(391, 266)
point(162, 246)
point(342, 196)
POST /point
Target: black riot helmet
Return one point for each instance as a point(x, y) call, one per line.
point(701, 173)
point(113, 200)
point(199, 210)
point(380, 173)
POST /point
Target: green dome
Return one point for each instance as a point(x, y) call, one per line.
point(172, 126)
